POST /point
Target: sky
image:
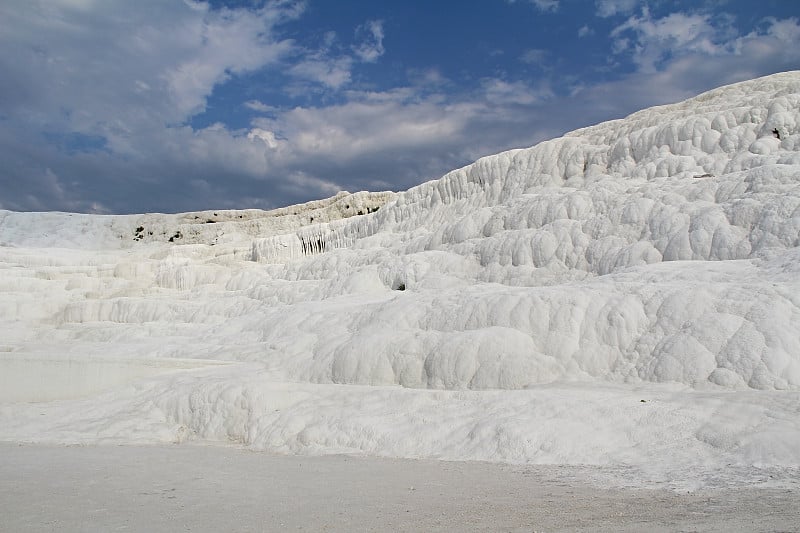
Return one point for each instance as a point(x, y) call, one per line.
point(113, 106)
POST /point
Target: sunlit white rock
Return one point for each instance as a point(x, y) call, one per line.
point(660, 250)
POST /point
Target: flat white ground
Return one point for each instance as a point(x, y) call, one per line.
point(197, 488)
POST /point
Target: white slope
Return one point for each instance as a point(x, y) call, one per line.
point(518, 309)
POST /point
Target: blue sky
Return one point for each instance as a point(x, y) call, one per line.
point(112, 106)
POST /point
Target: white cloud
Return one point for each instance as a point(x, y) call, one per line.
point(128, 74)
point(513, 93)
point(331, 68)
point(401, 136)
point(218, 44)
point(429, 77)
point(333, 73)
point(542, 5)
point(259, 106)
point(534, 56)
point(267, 137)
point(681, 56)
point(371, 48)
point(787, 31)
point(127, 66)
point(369, 123)
point(546, 5)
point(655, 40)
point(693, 45)
point(585, 31)
point(607, 8)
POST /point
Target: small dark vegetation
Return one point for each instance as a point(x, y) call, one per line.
point(367, 211)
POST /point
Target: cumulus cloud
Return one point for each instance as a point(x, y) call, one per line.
point(164, 57)
point(681, 55)
point(691, 41)
point(357, 142)
point(658, 39)
point(127, 73)
point(97, 97)
point(330, 72)
point(397, 138)
point(219, 44)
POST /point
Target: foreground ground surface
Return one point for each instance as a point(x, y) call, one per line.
point(193, 488)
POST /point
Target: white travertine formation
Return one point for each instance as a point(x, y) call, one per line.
point(660, 252)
